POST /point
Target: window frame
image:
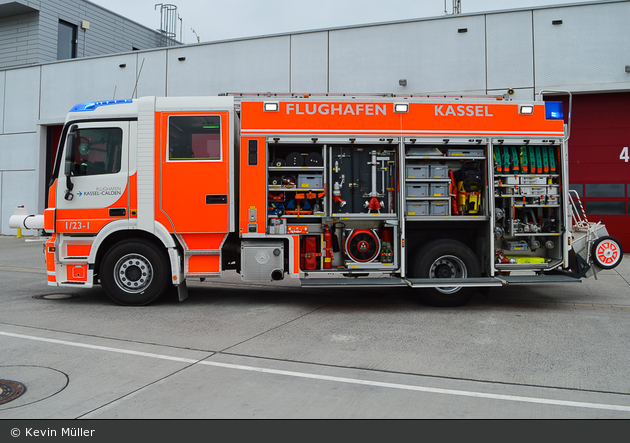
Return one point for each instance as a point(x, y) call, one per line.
point(194, 115)
point(73, 39)
point(589, 200)
point(75, 148)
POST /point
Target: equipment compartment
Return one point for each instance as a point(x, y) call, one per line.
point(296, 183)
point(455, 178)
point(364, 179)
point(528, 215)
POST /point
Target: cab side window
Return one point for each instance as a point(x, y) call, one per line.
point(96, 151)
point(194, 137)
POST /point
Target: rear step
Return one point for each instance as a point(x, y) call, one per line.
point(529, 279)
point(436, 282)
point(350, 282)
point(450, 282)
point(398, 282)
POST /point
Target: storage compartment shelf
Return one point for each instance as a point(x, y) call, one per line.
point(536, 206)
point(427, 180)
point(318, 215)
point(537, 234)
point(296, 168)
point(526, 175)
point(294, 189)
point(447, 218)
point(549, 265)
point(443, 157)
point(366, 216)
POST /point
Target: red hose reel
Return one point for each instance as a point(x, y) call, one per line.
point(362, 245)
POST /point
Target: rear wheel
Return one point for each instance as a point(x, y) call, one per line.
point(445, 259)
point(135, 273)
point(607, 252)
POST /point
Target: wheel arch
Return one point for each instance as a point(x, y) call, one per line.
point(475, 238)
point(115, 232)
point(445, 254)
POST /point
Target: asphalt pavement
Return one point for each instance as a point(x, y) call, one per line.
point(235, 350)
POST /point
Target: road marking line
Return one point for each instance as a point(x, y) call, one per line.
point(516, 398)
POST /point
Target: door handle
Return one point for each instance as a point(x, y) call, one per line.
point(216, 199)
point(117, 212)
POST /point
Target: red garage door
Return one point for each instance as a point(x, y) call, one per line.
point(599, 161)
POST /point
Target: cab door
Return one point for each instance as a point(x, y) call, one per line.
point(194, 181)
point(92, 187)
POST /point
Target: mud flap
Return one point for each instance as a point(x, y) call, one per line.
point(182, 291)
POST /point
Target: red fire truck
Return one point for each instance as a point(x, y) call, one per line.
point(444, 194)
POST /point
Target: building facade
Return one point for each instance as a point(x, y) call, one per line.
point(582, 48)
point(35, 32)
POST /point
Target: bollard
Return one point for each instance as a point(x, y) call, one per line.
point(19, 234)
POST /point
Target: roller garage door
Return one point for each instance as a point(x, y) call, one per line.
point(599, 161)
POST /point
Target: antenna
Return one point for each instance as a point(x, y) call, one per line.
point(137, 78)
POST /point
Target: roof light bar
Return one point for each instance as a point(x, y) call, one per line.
point(91, 106)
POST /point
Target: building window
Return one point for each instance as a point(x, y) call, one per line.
point(577, 188)
point(605, 207)
point(605, 190)
point(66, 41)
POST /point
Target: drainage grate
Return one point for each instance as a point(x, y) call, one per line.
point(55, 296)
point(10, 390)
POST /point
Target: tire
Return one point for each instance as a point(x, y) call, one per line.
point(607, 252)
point(446, 259)
point(135, 273)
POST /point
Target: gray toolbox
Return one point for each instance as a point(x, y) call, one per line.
point(417, 190)
point(438, 171)
point(465, 152)
point(312, 181)
point(440, 208)
point(417, 208)
point(439, 190)
point(417, 171)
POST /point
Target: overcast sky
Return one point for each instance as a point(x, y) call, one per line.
point(219, 20)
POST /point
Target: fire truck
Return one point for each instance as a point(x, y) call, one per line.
point(441, 195)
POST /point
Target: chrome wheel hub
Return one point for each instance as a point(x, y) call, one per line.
point(133, 273)
point(448, 266)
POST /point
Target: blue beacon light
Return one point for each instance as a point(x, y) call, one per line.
point(91, 106)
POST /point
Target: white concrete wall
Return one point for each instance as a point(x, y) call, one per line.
point(514, 49)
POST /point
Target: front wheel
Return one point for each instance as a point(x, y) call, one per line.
point(446, 259)
point(135, 273)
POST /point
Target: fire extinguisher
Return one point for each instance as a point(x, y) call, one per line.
point(328, 255)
